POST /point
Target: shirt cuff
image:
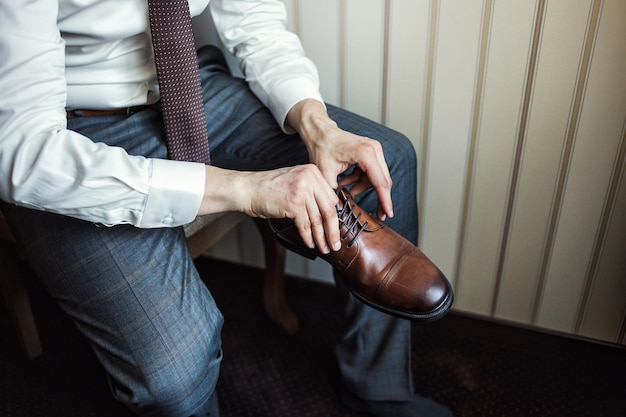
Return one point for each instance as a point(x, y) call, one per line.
point(286, 95)
point(176, 191)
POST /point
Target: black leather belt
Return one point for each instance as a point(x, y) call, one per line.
point(126, 111)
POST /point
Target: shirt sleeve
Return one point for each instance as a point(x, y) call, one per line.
point(45, 166)
point(272, 58)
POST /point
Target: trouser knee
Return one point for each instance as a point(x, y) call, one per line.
point(173, 384)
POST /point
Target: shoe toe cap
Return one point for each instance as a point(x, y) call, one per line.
point(418, 286)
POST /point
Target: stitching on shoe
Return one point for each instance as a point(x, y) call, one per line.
point(384, 283)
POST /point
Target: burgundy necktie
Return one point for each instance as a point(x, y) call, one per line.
point(179, 80)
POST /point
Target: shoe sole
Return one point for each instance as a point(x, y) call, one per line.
point(426, 317)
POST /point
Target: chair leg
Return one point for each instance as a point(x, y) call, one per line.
point(274, 299)
point(16, 299)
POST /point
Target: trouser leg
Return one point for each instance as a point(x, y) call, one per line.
point(133, 293)
point(374, 350)
point(136, 296)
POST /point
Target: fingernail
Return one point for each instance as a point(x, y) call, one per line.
point(336, 246)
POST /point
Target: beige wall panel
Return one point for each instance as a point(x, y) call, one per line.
point(558, 62)
point(363, 57)
point(318, 270)
point(320, 34)
point(606, 308)
point(408, 50)
point(292, 14)
point(596, 146)
point(577, 282)
point(496, 135)
point(458, 34)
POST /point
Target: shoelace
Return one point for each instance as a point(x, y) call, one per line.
point(352, 221)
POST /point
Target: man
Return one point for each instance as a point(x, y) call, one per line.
point(95, 204)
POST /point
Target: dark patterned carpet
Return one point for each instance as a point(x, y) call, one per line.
point(477, 368)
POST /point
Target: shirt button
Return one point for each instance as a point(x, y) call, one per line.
point(169, 219)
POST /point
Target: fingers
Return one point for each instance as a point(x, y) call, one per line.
point(371, 171)
point(320, 227)
point(383, 188)
point(325, 226)
point(380, 179)
point(316, 216)
point(361, 183)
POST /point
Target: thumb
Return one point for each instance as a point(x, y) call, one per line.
point(330, 176)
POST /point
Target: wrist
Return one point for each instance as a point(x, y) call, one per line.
point(224, 190)
point(310, 119)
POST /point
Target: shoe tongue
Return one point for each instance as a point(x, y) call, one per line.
point(346, 198)
point(344, 194)
point(346, 202)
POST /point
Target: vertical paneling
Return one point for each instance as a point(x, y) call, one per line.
point(363, 57)
point(456, 60)
point(602, 316)
point(510, 33)
point(291, 6)
point(518, 112)
point(323, 46)
point(408, 50)
point(305, 18)
point(555, 79)
point(597, 141)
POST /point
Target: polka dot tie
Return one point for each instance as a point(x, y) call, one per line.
point(179, 80)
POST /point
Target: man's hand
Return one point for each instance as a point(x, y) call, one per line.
point(300, 193)
point(334, 150)
point(306, 193)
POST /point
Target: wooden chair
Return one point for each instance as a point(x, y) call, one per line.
point(15, 295)
point(206, 231)
point(202, 234)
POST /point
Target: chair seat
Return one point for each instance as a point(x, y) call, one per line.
point(15, 295)
point(206, 231)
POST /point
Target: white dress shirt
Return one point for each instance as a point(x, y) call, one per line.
point(97, 54)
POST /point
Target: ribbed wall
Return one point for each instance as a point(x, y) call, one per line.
point(518, 112)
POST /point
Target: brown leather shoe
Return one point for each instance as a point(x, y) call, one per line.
point(380, 267)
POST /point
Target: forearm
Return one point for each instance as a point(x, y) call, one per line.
point(272, 58)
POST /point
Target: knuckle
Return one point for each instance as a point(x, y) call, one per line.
point(304, 225)
point(375, 147)
point(329, 211)
point(316, 222)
